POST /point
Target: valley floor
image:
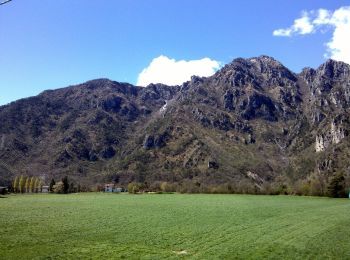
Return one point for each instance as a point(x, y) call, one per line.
point(115, 226)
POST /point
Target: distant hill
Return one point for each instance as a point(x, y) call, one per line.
point(254, 121)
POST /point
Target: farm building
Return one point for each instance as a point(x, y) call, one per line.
point(111, 187)
point(45, 189)
point(3, 190)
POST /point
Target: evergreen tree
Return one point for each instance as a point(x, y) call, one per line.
point(52, 183)
point(71, 188)
point(26, 185)
point(65, 184)
point(31, 184)
point(21, 184)
point(336, 187)
point(15, 184)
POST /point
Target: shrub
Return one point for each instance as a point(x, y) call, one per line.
point(58, 188)
point(245, 186)
point(188, 186)
point(155, 186)
point(134, 187)
point(168, 187)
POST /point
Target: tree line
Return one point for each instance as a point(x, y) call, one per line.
point(34, 184)
point(25, 184)
point(337, 186)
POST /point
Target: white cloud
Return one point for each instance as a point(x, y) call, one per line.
point(301, 26)
point(338, 47)
point(171, 72)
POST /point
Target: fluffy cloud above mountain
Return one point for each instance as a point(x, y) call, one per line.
point(174, 72)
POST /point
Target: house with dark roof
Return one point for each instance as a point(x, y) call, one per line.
point(3, 190)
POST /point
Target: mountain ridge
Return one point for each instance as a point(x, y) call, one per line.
point(253, 123)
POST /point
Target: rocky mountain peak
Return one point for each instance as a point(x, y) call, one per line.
point(266, 60)
point(334, 69)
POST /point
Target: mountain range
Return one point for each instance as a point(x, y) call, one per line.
point(254, 123)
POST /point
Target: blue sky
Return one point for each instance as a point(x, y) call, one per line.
point(52, 44)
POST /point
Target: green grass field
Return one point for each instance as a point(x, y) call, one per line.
point(96, 226)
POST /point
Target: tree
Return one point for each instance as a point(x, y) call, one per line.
point(21, 184)
point(52, 183)
point(15, 184)
point(26, 185)
point(336, 187)
point(36, 184)
point(71, 188)
point(347, 183)
point(317, 185)
point(40, 185)
point(31, 184)
point(65, 184)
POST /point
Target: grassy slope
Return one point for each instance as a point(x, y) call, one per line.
point(158, 226)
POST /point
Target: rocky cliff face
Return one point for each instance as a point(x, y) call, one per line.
point(254, 120)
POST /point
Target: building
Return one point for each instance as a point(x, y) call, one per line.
point(3, 190)
point(45, 189)
point(111, 187)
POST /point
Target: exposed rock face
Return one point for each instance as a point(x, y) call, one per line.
point(333, 136)
point(257, 119)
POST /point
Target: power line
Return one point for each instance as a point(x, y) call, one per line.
point(4, 2)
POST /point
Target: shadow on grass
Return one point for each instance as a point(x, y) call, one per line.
point(3, 197)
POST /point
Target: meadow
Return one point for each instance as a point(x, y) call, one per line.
point(173, 226)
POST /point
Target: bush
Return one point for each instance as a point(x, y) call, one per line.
point(188, 186)
point(302, 188)
point(58, 188)
point(155, 186)
point(245, 186)
point(134, 187)
point(168, 187)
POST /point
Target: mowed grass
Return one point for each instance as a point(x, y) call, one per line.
point(96, 226)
